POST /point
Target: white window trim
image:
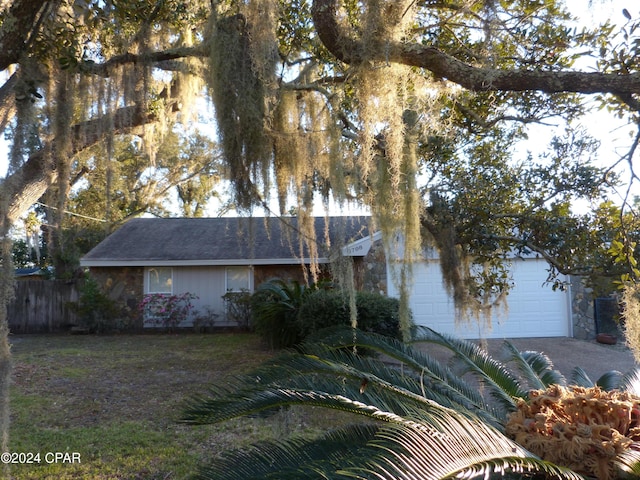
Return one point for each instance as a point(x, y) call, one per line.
point(248, 269)
point(147, 280)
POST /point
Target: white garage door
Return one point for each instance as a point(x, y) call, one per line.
point(534, 309)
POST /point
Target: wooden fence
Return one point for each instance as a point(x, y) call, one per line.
point(42, 306)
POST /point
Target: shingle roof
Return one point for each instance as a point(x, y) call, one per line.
point(218, 241)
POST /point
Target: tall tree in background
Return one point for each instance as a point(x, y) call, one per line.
point(410, 107)
point(113, 187)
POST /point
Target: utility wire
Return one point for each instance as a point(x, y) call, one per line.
point(73, 213)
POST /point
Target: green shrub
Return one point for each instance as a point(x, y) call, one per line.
point(327, 308)
point(96, 311)
point(274, 307)
point(285, 312)
point(237, 307)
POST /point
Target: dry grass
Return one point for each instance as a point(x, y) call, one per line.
point(115, 401)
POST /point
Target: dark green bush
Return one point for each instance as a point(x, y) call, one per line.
point(274, 308)
point(96, 311)
point(327, 308)
point(285, 312)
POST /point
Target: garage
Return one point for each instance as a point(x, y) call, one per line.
point(534, 309)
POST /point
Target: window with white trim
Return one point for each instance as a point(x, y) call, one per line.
point(160, 280)
point(238, 279)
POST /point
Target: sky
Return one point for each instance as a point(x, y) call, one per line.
point(613, 135)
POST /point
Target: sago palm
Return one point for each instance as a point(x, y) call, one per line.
point(422, 419)
point(275, 306)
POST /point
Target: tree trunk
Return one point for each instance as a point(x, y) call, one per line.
point(6, 294)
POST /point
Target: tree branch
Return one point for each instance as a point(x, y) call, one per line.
point(344, 44)
point(104, 69)
point(18, 28)
point(551, 260)
point(27, 184)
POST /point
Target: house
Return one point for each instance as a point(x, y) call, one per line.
point(209, 257)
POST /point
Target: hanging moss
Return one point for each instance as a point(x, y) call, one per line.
point(388, 161)
point(630, 301)
point(239, 94)
point(293, 138)
point(473, 300)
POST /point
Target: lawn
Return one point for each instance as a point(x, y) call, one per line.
point(113, 402)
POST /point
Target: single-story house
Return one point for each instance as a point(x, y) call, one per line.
point(211, 256)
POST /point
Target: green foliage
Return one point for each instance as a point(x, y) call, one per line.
point(284, 313)
point(97, 312)
point(487, 205)
point(328, 308)
point(275, 308)
point(420, 416)
point(126, 61)
point(114, 190)
point(22, 255)
point(275, 85)
point(237, 307)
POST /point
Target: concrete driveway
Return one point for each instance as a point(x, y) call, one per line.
point(568, 353)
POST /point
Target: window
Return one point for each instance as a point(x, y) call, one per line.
point(238, 279)
point(160, 280)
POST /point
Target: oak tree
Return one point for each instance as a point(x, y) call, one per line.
point(411, 107)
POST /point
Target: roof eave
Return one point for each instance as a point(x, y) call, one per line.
point(199, 263)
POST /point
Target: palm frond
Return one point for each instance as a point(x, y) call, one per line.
point(461, 447)
point(610, 380)
point(203, 410)
point(580, 378)
point(535, 367)
point(279, 292)
point(418, 427)
point(615, 380)
point(317, 458)
point(502, 384)
point(628, 462)
point(309, 380)
point(630, 381)
point(440, 445)
point(436, 381)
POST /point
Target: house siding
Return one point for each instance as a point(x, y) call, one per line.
point(127, 286)
point(207, 283)
point(264, 273)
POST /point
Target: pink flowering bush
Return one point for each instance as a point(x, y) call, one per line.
point(165, 309)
